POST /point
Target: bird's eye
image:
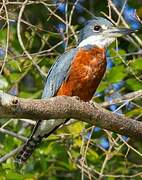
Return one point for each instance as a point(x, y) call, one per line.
point(97, 28)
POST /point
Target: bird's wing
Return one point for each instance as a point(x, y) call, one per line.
point(43, 128)
point(58, 73)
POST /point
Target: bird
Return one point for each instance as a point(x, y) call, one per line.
point(77, 72)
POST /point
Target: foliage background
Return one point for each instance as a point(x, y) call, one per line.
point(31, 39)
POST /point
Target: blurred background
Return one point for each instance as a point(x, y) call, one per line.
point(32, 35)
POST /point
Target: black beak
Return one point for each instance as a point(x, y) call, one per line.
point(118, 32)
point(123, 31)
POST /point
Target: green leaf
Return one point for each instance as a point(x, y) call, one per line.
point(137, 64)
point(103, 85)
point(92, 155)
point(116, 74)
point(14, 76)
point(133, 84)
point(3, 83)
point(134, 112)
point(15, 65)
point(31, 95)
point(3, 34)
point(76, 128)
point(116, 56)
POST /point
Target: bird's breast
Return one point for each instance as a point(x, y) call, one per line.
point(85, 73)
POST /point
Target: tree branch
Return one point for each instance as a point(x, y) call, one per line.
point(18, 136)
point(127, 97)
point(10, 154)
point(68, 107)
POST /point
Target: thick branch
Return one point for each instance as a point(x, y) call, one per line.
point(68, 107)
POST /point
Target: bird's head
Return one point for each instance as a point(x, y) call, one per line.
point(100, 32)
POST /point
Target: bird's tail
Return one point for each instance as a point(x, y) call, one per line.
point(27, 149)
point(32, 143)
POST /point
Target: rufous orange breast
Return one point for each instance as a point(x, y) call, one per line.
point(85, 73)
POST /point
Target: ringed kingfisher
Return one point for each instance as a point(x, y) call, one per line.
point(77, 72)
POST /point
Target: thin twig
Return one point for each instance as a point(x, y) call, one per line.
point(18, 136)
point(121, 12)
point(62, 20)
point(20, 38)
point(10, 154)
point(124, 22)
point(127, 97)
point(7, 37)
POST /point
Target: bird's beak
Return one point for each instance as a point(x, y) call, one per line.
point(118, 32)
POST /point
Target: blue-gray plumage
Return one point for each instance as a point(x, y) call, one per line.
point(76, 73)
point(55, 77)
point(58, 73)
point(89, 25)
